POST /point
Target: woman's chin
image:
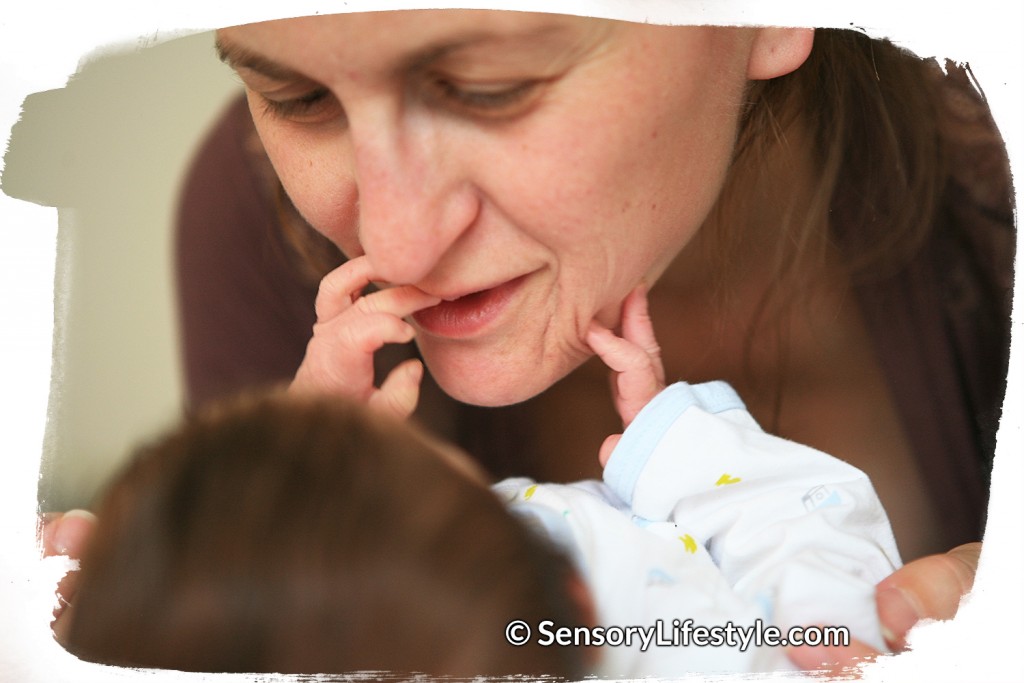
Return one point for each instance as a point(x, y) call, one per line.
point(488, 392)
point(491, 385)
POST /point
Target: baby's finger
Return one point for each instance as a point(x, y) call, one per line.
point(638, 328)
point(342, 286)
point(397, 301)
point(617, 353)
point(607, 447)
point(636, 381)
point(339, 357)
point(358, 339)
point(400, 392)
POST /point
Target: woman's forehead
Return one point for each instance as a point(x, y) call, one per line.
point(396, 40)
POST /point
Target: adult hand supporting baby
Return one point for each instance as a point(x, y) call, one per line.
point(927, 588)
point(350, 328)
point(930, 587)
point(65, 533)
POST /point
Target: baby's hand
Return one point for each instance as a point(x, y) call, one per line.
point(350, 328)
point(635, 361)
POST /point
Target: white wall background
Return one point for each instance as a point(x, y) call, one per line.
point(109, 150)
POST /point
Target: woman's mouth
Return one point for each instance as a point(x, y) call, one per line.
point(467, 315)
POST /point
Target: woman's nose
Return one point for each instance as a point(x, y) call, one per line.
point(414, 200)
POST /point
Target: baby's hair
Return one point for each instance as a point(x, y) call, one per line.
point(277, 534)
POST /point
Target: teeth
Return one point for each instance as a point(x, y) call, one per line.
point(463, 296)
point(468, 294)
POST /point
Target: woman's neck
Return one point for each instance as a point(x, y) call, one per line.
point(759, 295)
point(760, 333)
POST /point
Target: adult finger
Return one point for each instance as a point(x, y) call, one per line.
point(66, 590)
point(927, 588)
point(832, 659)
point(66, 533)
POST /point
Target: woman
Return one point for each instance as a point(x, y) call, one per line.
point(528, 171)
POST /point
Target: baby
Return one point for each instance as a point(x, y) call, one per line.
point(292, 534)
point(300, 533)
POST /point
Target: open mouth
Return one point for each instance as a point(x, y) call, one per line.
point(469, 314)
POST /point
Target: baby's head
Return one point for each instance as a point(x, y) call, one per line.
point(312, 536)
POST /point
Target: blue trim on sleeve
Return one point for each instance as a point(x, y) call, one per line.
point(717, 397)
point(642, 436)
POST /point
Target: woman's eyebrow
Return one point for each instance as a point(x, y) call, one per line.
point(238, 57)
point(536, 36)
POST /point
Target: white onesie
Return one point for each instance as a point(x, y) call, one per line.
point(704, 520)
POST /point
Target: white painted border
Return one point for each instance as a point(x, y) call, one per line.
point(41, 44)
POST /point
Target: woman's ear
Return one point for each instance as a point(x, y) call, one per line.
point(778, 51)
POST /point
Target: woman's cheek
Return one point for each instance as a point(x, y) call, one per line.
point(610, 315)
point(323, 193)
point(330, 204)
point(340, 222)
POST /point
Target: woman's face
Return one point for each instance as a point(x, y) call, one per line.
point(529, 169)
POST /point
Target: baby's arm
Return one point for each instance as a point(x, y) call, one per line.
point(792, 529)
point(350, 328)
point(635, 360)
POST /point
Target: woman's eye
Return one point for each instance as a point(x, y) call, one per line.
point(316, 105)
point(498, 99)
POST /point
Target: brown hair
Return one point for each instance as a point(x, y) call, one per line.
point(866, 129)
point(270, 534)
point(866, 110)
